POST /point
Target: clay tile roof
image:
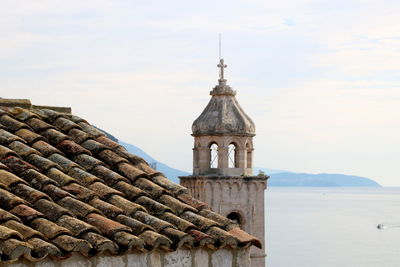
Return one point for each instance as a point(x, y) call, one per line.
point(66, 187)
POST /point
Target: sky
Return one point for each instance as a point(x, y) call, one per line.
point(319, 78)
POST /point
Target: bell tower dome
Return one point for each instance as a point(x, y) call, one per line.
point(223, 134)
point(223, 164)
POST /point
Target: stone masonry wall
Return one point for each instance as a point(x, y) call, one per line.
point(179, 258)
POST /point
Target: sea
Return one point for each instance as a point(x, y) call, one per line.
point(332, 227)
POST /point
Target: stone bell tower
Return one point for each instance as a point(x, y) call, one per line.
point(223, 164)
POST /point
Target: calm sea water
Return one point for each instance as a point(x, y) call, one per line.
point(324, 227)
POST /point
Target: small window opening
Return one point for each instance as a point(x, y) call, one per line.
point(232, 162)
point(236, 217)
point(214, 155)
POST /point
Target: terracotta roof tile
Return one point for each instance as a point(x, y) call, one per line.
point(49, 229)
point(7, 233)
point(66, 187)
point(26, 213)
point(38, 125)
point(93, 146)
point(201, 222)
point(201, 239)
point(63, 162)
point(6, 152)
point(78, 136)
point(155, 240)
point(51, 210)
point(76, 226)
point(22, 114)
point(225, 222)
point(127, 206)
point(130, 192)
point(88, 162)
point(36, 179)
point(150, 188)
point(178, 222)
point(111, 158)
point(16, 164)
point(25, 231)
point(43, 248)
point(29, 136)
point(22, 149)
point(128, 240)
point(60, 177)
point(244, 238)
point(83, 177)
point(107, 142)
point(100, 243)
point(178, 238)
point(28, 193)
point(41, 163)
point(103, 190)
point(6, 216)
point(71, 148)
point(175, 204)
point(55, 192)
point(136, 226)
point(106, 226)
point(153, 221)
point(9, 179)
point(109, 177)
point(11, 124)
point(45, 148)
point(78, 208)
point(130, 171)
point(90, 129)
point(13, 248)
point(111, 211)
point(65, 125)
point(8, 200)
point(72, 244)
point(7, 137)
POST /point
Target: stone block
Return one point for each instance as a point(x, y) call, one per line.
point(180, 257)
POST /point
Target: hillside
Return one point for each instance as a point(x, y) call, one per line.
point(319, 180)
point(277, 177)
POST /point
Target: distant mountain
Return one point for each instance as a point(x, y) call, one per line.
point(277, 177)
point(319, 180)
point(169, 172)
point(257, 170)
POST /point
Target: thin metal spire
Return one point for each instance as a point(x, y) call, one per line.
point(220, 46)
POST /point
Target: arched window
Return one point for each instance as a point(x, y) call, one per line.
point(232, 162)
point(236, 217)
point(213, 155)
point(248, 156)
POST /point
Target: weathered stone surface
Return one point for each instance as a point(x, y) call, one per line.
point(180, 257)
point(201, 258)
point(154, 259)
point(137, 260)
point(222, 258)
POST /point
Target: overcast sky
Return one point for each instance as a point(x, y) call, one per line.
point(319, 78)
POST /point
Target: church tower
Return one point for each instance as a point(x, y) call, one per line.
point(223, 164)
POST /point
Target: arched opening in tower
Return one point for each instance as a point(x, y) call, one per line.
point(236, 217)
point(213, 155)
point(232, 162)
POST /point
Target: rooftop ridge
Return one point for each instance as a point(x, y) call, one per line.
point(27, 104)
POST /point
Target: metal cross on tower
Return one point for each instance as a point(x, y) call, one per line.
point(221, 65)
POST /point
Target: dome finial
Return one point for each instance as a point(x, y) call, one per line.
point(221, 66)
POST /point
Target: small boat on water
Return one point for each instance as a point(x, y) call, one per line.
point(381, 226)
